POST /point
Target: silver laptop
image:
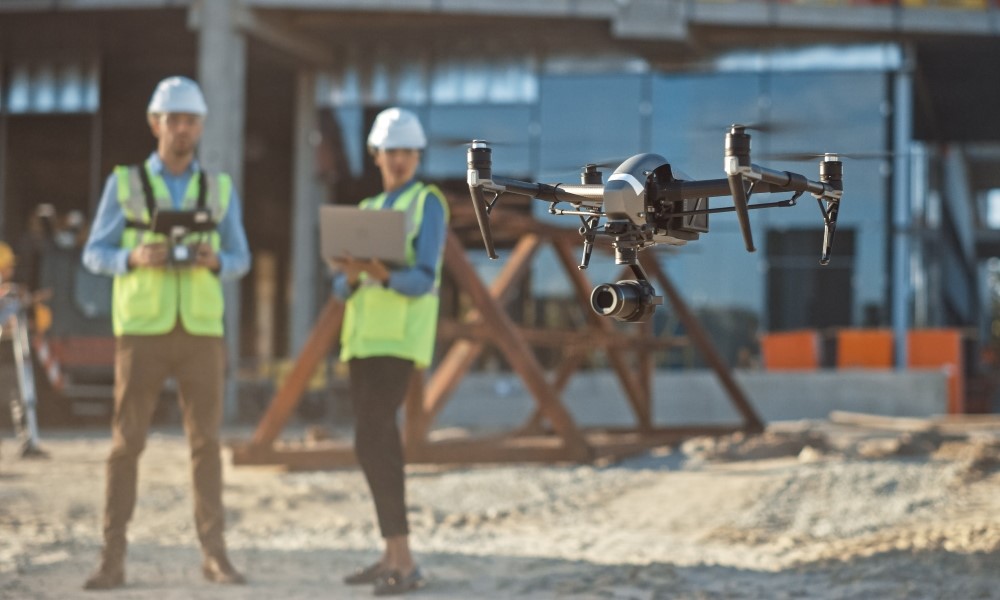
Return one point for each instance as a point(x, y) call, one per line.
point(363, 234)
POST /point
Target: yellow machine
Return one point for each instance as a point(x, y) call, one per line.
point(14, 305)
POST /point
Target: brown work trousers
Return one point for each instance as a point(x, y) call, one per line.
point(142, 365)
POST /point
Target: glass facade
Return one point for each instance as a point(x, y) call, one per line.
point(548, 119)
point(48, 87)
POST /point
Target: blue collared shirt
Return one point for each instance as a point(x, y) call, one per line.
point(418, 279)
point(103, 254)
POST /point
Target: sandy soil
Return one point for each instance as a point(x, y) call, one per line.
point(670, 524)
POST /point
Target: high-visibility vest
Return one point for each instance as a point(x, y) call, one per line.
point(379, 321)
point(149, 300)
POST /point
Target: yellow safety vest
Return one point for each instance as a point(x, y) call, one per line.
point(148, 301)
point(382, 322)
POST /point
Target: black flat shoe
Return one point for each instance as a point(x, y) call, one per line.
point(394, 584)
point(105, 579)
point(369, 574)
point(218, 569)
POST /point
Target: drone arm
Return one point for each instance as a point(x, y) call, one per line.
point(481, 181)
point(786, 180)
point(580, 194)
point(691, 190)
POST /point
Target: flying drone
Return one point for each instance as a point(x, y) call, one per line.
point(643, 205)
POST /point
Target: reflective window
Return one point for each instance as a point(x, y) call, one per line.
point(411, 77)
point(589, 118)
point(993, 209)
point(450, 129)
point(37, 88)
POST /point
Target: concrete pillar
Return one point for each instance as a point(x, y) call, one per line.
point(222, 75)
point(307, 196)
point(902, 222)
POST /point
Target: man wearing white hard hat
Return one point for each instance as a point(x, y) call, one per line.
point(390, 324)
point(167, 313)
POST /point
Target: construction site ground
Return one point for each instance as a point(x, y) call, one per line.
point(853, 506)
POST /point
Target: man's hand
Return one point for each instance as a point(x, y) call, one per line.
point(353, 268)
point(205, 256)
point(148, 255)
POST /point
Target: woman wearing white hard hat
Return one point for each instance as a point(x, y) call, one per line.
point(390, 324)
point(167, 313)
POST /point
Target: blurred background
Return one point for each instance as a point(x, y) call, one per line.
point(907, 90)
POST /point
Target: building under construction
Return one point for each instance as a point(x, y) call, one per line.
point(905, 89)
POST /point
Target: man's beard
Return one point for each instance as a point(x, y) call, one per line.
point(182, 148)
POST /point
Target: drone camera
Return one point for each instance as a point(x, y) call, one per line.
point(631, 301)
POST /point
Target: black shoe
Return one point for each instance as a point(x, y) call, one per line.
point(394, 584)
point(218, 570)
point(105, 579)
point(369, 574)
point(30, 450)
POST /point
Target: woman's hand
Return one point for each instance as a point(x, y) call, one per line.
point(353, 268)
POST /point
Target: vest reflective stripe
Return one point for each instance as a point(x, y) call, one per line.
point(382, 322)
point(148, 301)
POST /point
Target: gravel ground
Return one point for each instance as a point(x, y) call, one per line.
point(670, 524)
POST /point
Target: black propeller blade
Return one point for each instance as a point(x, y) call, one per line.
point(808, 156)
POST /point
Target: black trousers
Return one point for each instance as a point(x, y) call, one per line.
point(378, 387)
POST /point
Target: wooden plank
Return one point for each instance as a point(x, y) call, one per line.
point(633, 388)
point(320, 340)
point(415, 422)
point(872, 421)
point(462, 354)
point(704, 344)
point(589, 338)
point(517, 352)
point(606, 444)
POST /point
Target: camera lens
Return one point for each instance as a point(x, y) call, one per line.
point(629, 301)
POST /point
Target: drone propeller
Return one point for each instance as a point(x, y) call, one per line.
point(807, 156)
point(762, 126)
point(467, 142)
point(608, 163)
point(604, 164)
point(758, 126)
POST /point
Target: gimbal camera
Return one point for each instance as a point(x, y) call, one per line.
point(643, 204)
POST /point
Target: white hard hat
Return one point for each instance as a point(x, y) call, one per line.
point(397, 128)
point(177, 95)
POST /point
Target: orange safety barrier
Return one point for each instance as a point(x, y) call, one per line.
point(940, 348)
point(864, 349)
point(790, 350)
